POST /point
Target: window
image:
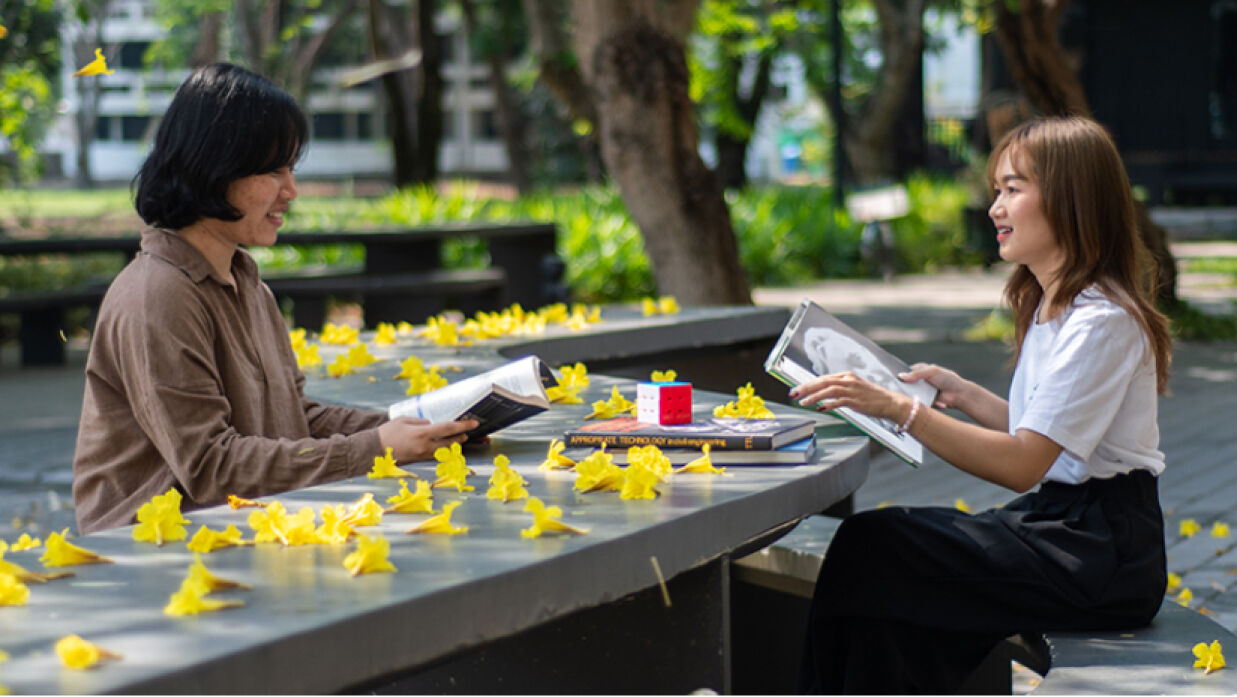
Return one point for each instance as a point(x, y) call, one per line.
point(484, 126)
point(131, 54)
point(132, 128)
point(364, 126)
point(328, 125)
point(103, 128)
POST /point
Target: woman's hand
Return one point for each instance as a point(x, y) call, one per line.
point(950, 386)
point(411, 439)
point(849, 390)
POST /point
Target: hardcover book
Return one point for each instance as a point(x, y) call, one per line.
point(720, 433)
point(496, 398)
point(797, 453)
point(816, 343)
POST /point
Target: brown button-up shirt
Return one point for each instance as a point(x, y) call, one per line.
point(192, 383)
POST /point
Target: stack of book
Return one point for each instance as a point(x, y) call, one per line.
point(778, 441)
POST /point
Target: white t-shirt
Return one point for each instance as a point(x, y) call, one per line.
point(1086, 380)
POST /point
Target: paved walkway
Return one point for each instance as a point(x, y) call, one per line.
point(916, 317)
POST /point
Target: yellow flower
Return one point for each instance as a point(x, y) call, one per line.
point(648, 306)
point(545, 520)
point(1188, 527)
point(403, 328)
point(506, 484)
point(962, 506)
point(340, 367)
point(236, 502)
point(638, 482)
point(452, 470)
point(297, 338)
point(408, 502)
point(441, 523)
point(190, 598)
point(617, 405)
point(335, 529)
point(365, 511)
point(200, 575)
point(274, 524)
point(207, 540)
point(1174, 580)
point(748, 406)
point(667, 305)
point(441, 331)
point(384, 468)
point(340, 335)
point(651, 458)
point(1219, 529)
point(13, 591)
point(60, 552)
point(25, 542)
point(21, 574)
point(574, 375)
point(562, 394)
point(79, 654)
point(307, 356)
point(370, 556)
point(554, 458)
point(410, 367)
point(98, 66)
point(3, 31)
point(1184, 597)
point(159, 520)
point(663, 376)
point(701, 465)
point(597, 472)
point(385, 335)
point(1209, 657)
point(359, 356)
point(425, 381)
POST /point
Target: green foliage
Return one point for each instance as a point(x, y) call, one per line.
point(997, 325)
point(29, 62)
point(1216, 265)
point(1188, 323)
point(932, 235)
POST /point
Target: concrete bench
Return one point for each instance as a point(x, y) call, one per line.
point(1157, 659)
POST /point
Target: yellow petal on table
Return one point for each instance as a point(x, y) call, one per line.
point(365, 511)
point(410, 367)
point(962, 505)
point(667, 305)
point(545, 519)
point(747, 406)
point(61, 552)
point(335, 529)
point(384, 468)
point(340, 367)
point(271, 524)
point(452, 469)
point(21, 574)
point(1210, 657)
point(25, 542)
point(370, 556)
point(1219, 529)
point(340, 334)
point(649, 306)
point(506, 484)
point(574, 375)
point(307, 356)
point(638, 483)
point(296, 337)
point(1188, 527)
point(1184, 597)
point(79, 654)
point(359, 356)
point(440, 524)
point(159, 520)
point(190, 599)
point(385, 334)
point(407, 501)
point(701, 465)
point(563, 394)
point(198, 573)
point(98, 66)
point(1174, 581)
point(207, 540)
point(597, 472)
point(663, 376)
point(554, 458)
point(236, 502)
point(615, 406)
point(651, 458)
point(13, 591)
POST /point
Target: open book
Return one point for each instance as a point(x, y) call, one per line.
point(496, 398)
point(815, 342)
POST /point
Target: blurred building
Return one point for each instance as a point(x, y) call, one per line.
point(349, 125)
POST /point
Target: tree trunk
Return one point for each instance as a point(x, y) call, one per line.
point(732, 148)
point(1028, 41)
point(429, 102)
point(206, 50)
point(637, 71)
point(387, 40)
point(511, 123)
point(88, 90)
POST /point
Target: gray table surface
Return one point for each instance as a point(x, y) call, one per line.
point(307, 626)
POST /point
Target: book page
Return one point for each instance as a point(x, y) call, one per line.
point(448, 403)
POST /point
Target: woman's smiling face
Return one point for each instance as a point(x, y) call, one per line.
point(1022, 230)
point(262, 199)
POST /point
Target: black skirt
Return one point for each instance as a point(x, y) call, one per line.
point(910, 600)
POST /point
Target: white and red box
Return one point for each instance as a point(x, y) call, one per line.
point(664, 403)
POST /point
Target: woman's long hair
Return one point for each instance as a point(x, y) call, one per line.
point(1086, 198)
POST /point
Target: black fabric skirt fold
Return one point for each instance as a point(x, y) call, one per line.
point(910, 600)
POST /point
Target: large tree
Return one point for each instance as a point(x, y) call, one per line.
point(29, 66)
point(1027, 32)
point(498, 35)
point(631, 60)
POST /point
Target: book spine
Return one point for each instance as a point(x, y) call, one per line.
point(627, 440)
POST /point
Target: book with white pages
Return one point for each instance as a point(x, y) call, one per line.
point(816, 343)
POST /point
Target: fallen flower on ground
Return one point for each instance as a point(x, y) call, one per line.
point(663, 376)
point(1219, 529)
point(79, 654)
point(198, 573)
point(385, 334)
point(207, 540)
point(747, 406)
point(61, 552)
point(340, 367)
point(98, 66)
point(639, 482)
point(307, 356)
point(236, 502)
point(21, 574)
point(617, 405)
point(409, 502)
point(441, 523)
point(190, 599)
point(159, 520)
point(962, 505)
point(359, 356)
point(370, 556)
point(384, 468)
point(1210, 657)
point(25, 542)
point(1188, 527)
point(365, 511)
point(597, 472)
point(574, 375)
point(13, 591)
point(651, 458)
point(1184, 597)
point(452, 469)
point(701, 465)
point(335, 529)
point(506, 484)
point(1174, 580)
point(554, 458)
point(545, 520)
point(339, 334)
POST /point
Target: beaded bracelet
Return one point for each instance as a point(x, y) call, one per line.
point(910, 418)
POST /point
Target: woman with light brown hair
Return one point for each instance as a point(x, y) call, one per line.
point(912, 599)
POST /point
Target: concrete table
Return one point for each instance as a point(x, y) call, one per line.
point(488, 611)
